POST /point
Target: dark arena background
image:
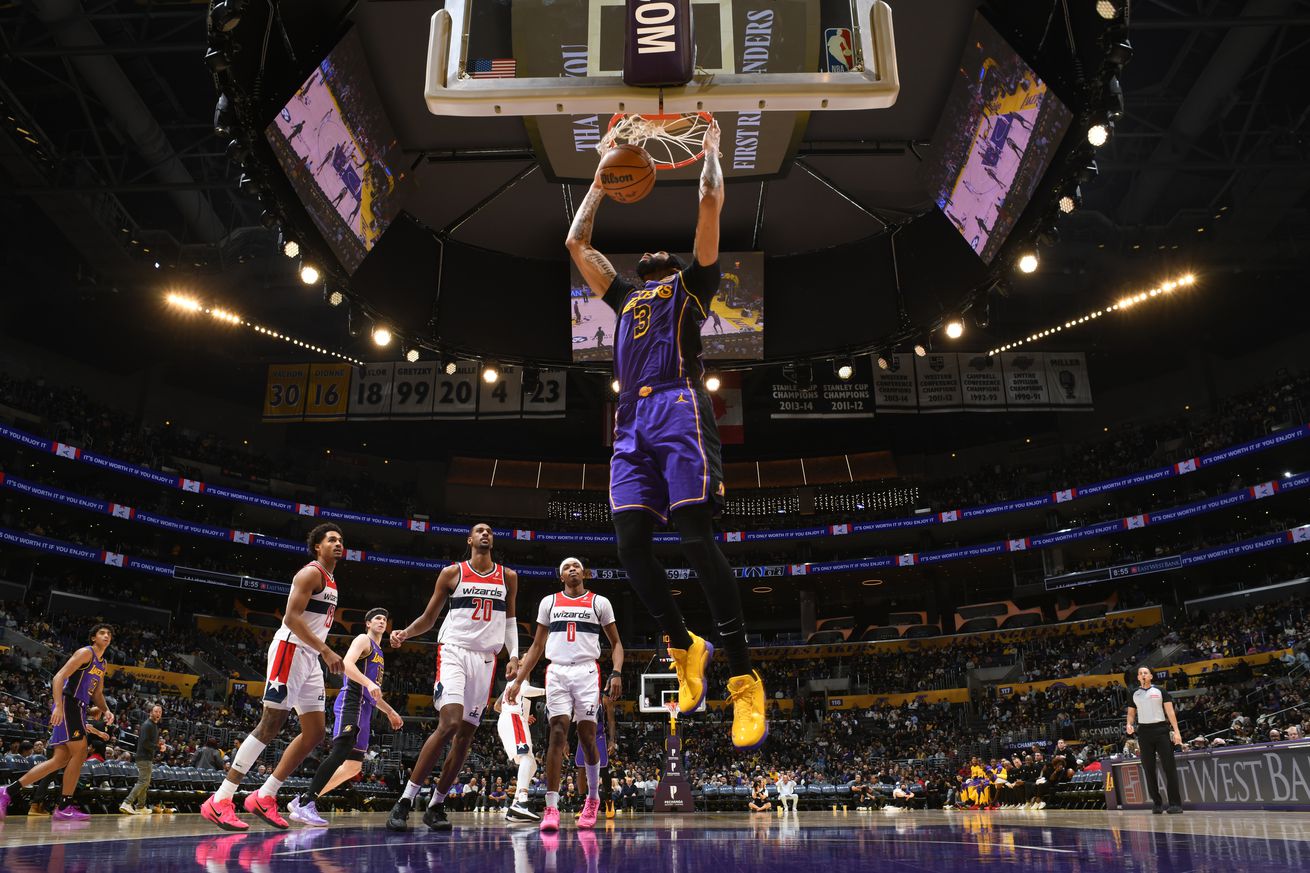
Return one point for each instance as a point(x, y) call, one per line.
point(1019, 458)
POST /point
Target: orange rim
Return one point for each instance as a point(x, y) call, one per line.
point(668, 165)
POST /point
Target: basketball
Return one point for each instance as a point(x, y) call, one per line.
point(627, 173)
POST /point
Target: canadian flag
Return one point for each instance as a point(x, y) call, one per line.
point(306, 509)
point(1188, 466)
point(193, 485)
point(1019, 545)
point(419, 526)
point(1133, 522)
point(800, 569)
point(839, 530)
point(732, 536)
point(1300, 534)
point(907, 560)
point(948, 515)
point(118, 510)
point(727, 409)
point(1065, 496)
point(241, 536)
point(64, 450)
point(354, 555)
point(113, 559)
point(523, 534)
point(1264, 489)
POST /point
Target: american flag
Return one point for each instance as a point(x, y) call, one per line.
point(491, 68)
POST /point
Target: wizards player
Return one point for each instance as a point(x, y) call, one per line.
point(666, 464)
point(360, 694)
point(78, 683)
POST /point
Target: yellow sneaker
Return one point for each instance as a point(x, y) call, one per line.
point(749, 727)
point(609, 810)
point(691, 664)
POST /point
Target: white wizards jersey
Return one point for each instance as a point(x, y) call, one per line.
point(476, 618)
point(520, 706)
point(319, 611)
point(575, 626)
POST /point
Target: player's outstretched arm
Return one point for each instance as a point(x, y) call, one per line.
point(594, 267)
point(711, 201)
point(303, 586)
point(446, 581)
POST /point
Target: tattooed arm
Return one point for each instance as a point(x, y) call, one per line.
point(711, 201)
point(594, 266)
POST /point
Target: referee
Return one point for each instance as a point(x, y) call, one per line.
point(1153, 710)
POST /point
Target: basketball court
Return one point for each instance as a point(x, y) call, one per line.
point(1060, 842)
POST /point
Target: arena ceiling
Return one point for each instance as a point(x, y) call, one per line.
point(107, 149)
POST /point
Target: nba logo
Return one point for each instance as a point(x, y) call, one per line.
point(837, 42)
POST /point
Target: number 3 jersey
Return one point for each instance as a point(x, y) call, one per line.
point(575, 626)
point(658, 330)
point(476, 618)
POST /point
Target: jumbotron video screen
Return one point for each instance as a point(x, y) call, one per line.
point(997, 135)
point(334, 143)
point(733, 330)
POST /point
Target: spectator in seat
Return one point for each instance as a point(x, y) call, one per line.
point(787, 791)
point(496, 796)
point(904, 794)
point(208, 756)
point(862, 791)
point(759, 801)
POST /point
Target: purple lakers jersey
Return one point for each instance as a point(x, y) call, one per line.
point(86, 680)
point(352, 694)
point(658, 330)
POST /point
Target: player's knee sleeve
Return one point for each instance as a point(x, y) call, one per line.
point(247, 754)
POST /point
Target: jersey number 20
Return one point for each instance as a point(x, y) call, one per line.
point(482, 609)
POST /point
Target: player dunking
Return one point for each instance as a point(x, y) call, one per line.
point(512, 726)
point(666, 463)
point(471, 637)
point(295, 679)
point(77, 684)
point(352, 712)
point(569, 625)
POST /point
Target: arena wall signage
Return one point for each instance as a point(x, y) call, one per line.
point(967, 382)
point(1266, 776)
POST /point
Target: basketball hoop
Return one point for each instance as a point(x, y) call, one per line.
point(672, 707)
point(672, 141)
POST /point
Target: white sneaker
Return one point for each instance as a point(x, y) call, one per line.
point(145, 810)
point(519, 812)
point(127, 808)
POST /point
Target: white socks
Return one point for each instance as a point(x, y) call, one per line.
point(247, 754)
point(270, 787)
point(552, 800)
point(411, 791)
point(226, 791)
point(593, 781)
point(437, 797)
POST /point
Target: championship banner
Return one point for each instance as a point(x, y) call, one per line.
point(456, 395)
point(370, 392)
point(826, 396)
point(547, 397)
point(284, 393)
point(1025, 381)
point(504, 397)
point(411, 390)
point(328, 394)
point(894, 388)
point(728, 410)
point(938, 380)
point(982, 383)
point(1066, 378)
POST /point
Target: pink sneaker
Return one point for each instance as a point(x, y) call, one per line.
point(69, 813)
point(589, 810)
point(265, 808)
point(5, 800)
point(550, 820)
point(223, 814)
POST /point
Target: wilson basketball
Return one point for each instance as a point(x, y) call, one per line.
point(627, 173)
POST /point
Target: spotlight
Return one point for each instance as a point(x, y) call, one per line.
point(920, 348)
point(309, 274)
point(1118, 50)
point(1113, 103)
point(224, 117)
point(1099, 134)
point(614, 386)
point(450, 367)
point(1107, 10)
point(335, 298)
point(1088, 171)
point(1071, 200)
point(412, 355)
point(354, 320)
point(844, 369)
point(381, 336)
point(712, 382)
point(225, 15)
point(237, 151)
point(290, 247)
point(1048, 236)
point(181, 301)
point(490, 373)
point(884, 363)
point(1028, 262)
point(217, 60)
point(955, 328)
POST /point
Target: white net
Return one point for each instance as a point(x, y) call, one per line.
point(671, 140)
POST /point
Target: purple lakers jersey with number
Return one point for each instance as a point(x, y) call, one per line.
point(658, 331)
point(86, 680)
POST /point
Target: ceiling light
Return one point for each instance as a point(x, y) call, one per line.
point(382, 336)
point(291, 248)
point(1028, 262)
point(412, 355)
point(450, 368)
point(712, 382)
point(309, 274)
point(225, 15)
point(614, 386)
point(844, 369)
point(181, 301)
point(883, 363)
point(1099, 134)
point(335, 298)
point(920, 348)
point(955, 328)
point(1107, 9)
point(490, 373)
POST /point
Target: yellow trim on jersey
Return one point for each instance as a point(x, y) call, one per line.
point(654, 512)
point(683, 282)
point(705, 462)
